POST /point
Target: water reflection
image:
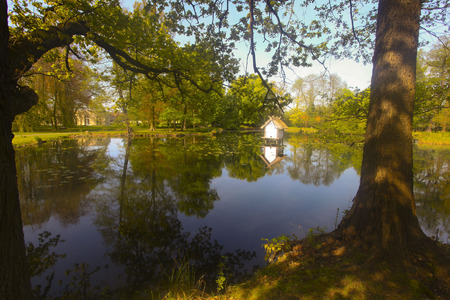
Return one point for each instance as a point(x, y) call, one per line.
point(272, 155)
point(138, 218)
point(432, 191)
point(149, 207)
point(313, 163)
point(55, 179)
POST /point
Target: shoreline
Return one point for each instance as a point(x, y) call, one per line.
point(422, 139)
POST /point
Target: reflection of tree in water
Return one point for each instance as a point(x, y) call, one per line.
point(192, 176)
point(158, 179)
point(244, 162)
point(432, 190)
point(318, 164)
point(55, 178)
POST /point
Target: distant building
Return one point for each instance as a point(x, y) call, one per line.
point(274, 128)
point(88, 118)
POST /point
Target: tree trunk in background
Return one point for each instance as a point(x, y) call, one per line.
point(14, 275)
point(383, 216)
point(55, 119)
point(184, 118)
point(152, 121)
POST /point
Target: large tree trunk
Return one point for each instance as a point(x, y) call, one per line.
point(14, 277)
point(383, 215)
point(14, 274)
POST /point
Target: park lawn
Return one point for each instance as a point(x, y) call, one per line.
point(34, 138)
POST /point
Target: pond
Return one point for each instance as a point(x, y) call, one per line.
point(114, 216)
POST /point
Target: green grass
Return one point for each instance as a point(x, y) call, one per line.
point(34, 138)
point(305, 130)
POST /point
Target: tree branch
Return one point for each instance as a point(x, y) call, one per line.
point(253, 53)
point(353, 23)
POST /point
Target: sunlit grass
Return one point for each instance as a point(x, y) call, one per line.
point(307, 130)
point(325, 272)
point(34, 138)
point(432, 138)
point(21, 139)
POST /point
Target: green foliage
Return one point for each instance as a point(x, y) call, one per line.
point(349, 113)
point(312, 233)
point(431, 107)
point(222, 274)
point(277, 246)
point(64, 85)
point(250, 102)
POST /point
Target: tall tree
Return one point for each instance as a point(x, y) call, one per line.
point(14, 278)
point(383, 216)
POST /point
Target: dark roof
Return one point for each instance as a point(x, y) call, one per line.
point(277, 121)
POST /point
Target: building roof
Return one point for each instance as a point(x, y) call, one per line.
point(277, 121)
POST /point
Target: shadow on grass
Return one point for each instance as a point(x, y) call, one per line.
point(327, 270)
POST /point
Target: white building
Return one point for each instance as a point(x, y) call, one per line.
point(274, 128)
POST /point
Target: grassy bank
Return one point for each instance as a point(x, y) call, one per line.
point(327, 270)
point(34, 138)
point(321, 267)
point(420, 138)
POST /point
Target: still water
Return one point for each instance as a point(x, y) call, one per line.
point(126, 215)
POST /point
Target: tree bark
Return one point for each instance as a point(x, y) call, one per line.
point(14, 274)
point(383, 216)
point(152, 121)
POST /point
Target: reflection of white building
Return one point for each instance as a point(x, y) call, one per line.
point(274, 128)
point(272, 155)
